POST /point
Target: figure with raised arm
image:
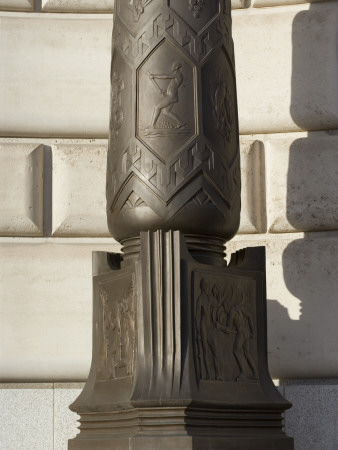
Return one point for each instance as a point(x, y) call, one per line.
point(239, 321)
point(170, 94)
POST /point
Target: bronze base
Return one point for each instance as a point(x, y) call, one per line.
point(179, 354)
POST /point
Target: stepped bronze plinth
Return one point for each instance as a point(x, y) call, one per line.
point(179, 336)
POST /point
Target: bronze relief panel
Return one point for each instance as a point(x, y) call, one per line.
point(166, 108)
point(117, 342)
point(219, 105)
point(135, 14)
point(196, 13)
point(225, 329)
point(121, 102)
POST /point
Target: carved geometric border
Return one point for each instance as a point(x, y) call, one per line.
point(165, 181)
point(171, 26)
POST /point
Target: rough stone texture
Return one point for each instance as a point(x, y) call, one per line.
point(302, 295)
point(65, 421)
point(81, 6)
point(313, 419)
point(302, 182)
point(21, 189)
point(281, 53)
point(46, 309)
point(311, 432)
point(79, 203)
point(26, 418)
point(56, 78)
point(17, 5)
point(253, 210)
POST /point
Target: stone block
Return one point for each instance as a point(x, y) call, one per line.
point(63, 61)
point(83, 6)
point(65, 421)
point(253, 210)
point(240, 4)
point(21, 189)
point(56, 78)
point(281, 54)
point(17, 5)
point(265, 3)
point(313, 419)
point(46, 308)
point(302, 290)
point(79, 183)
point(302, 182)
point(26, 417)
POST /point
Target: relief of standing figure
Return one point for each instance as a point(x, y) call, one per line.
point(239, 322)
point(112, 331)
point(206, 309)
point(223, 108)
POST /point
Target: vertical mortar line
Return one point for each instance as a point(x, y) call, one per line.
point(267, 165)
point(37, 5)
point(53, 416)
point(47, 190)
point(265, 179)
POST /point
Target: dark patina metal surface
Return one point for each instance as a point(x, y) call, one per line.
point(179, 337)
point(173, 158)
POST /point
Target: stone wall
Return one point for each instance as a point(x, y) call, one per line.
point(54, 97)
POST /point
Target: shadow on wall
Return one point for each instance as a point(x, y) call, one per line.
point(309, 264)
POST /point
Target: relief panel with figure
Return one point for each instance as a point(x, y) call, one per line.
point(195, 13)
point(117, 342)
point(219, 100)
point(135, 14)
point(166, 101)
point(224, 317)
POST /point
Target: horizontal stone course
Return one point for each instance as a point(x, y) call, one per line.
point(107, 6)
point(81, 6)
point(56, 82)
point(266, 3)
point(302, 182)
point(17, 5)
point(56, 78)
point(46, 308)
point(27, 410)
point(55, 277)
point(289, 184)
point(286, 68)
point(75, 181)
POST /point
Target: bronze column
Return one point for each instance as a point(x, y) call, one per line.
point(179, 338)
